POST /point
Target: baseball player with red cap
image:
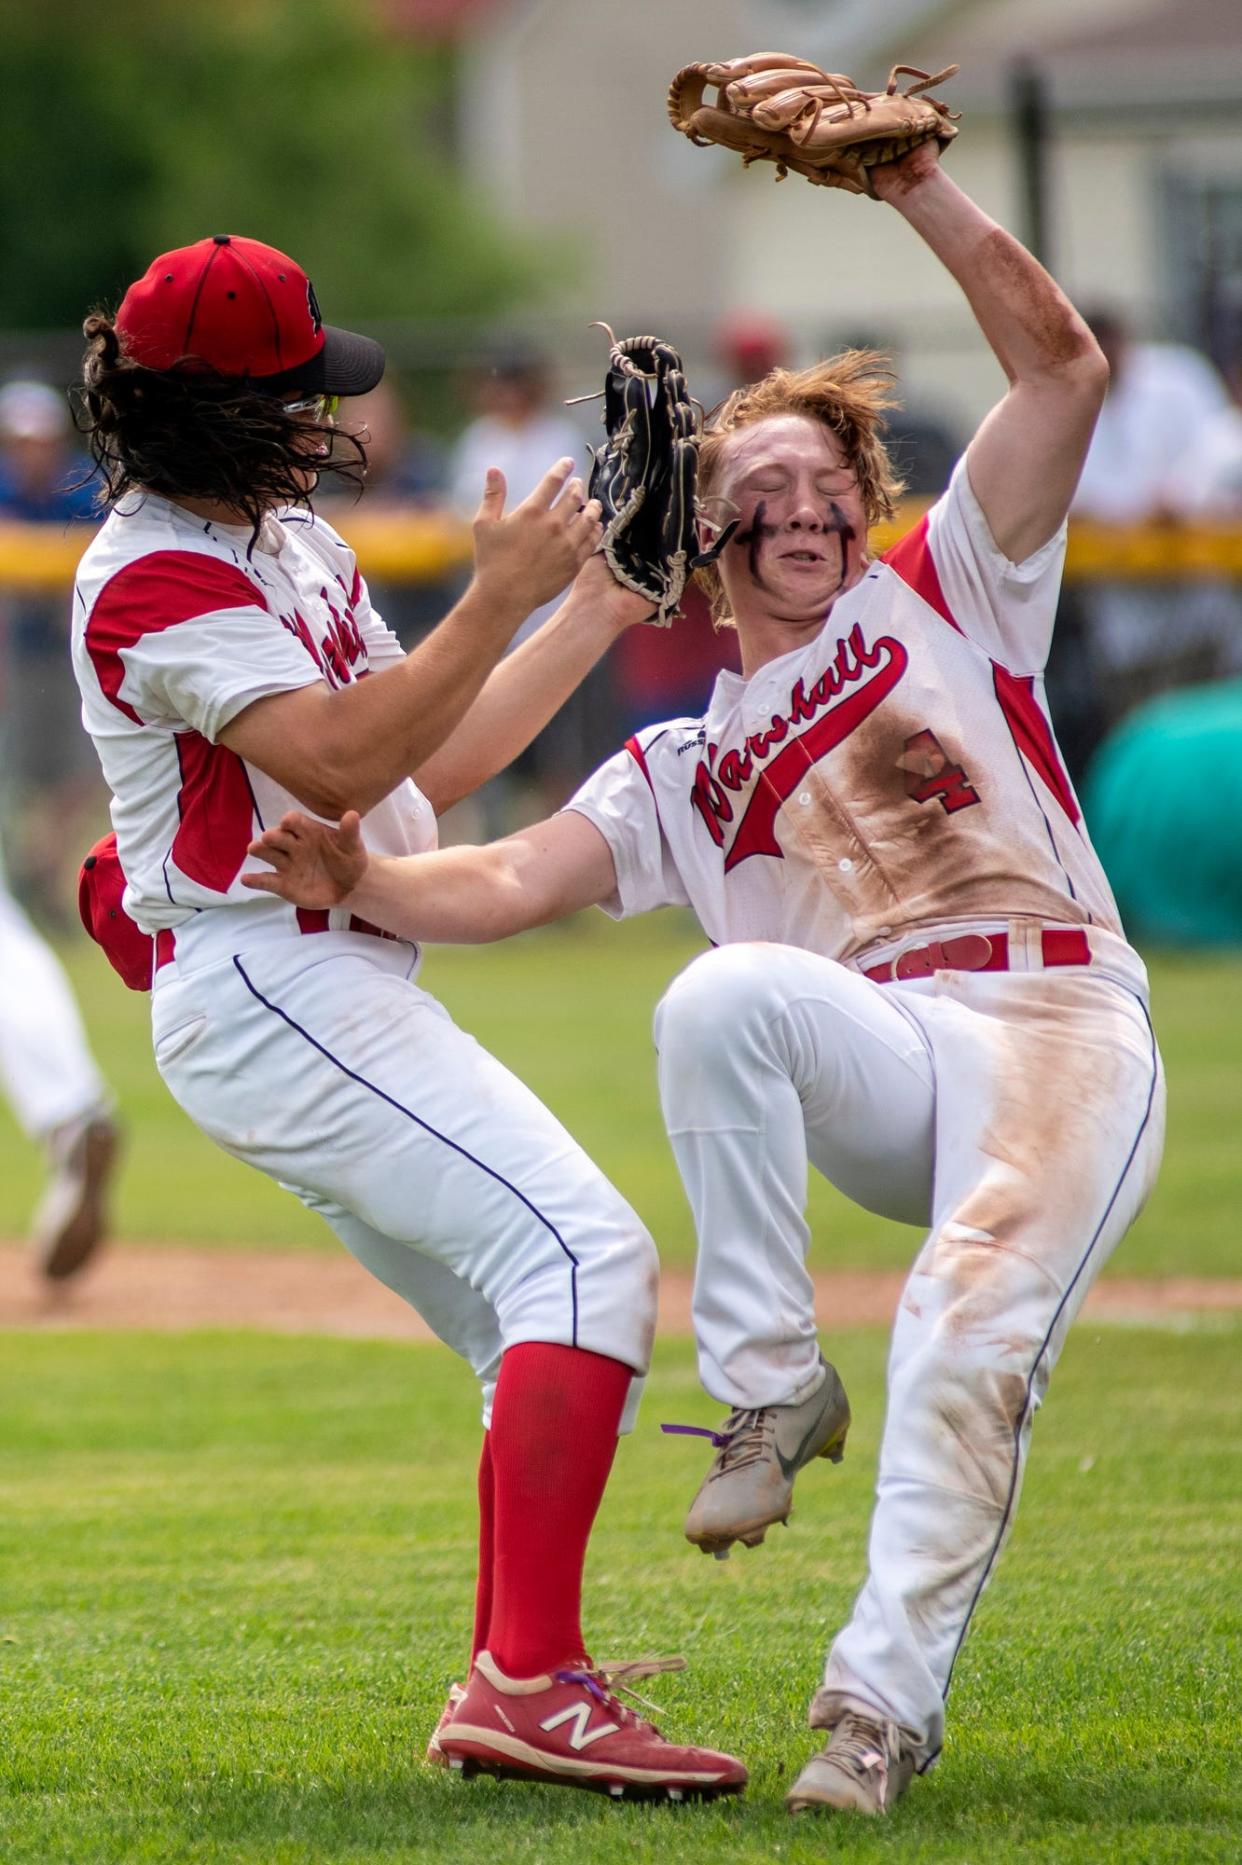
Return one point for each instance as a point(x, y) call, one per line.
point(919, 982)
point(231, 666)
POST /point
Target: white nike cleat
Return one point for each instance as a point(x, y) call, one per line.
point(750, 1483)
point(861, 1769)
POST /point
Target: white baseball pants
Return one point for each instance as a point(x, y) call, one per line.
point(46, 1068)
point(319, 1061)
point(1021, 1115)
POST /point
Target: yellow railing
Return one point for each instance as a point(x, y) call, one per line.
point(414, 547)
point(422, 547)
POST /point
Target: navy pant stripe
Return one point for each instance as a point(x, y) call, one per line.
point(427, 1128)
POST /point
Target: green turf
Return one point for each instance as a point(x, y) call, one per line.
point(570, 1010)
point(236, 1581)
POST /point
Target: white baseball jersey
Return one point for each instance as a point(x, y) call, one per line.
point(318, 1060)
point(898, 771)
point(177, 627)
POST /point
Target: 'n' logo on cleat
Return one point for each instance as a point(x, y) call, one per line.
point(580, 1715)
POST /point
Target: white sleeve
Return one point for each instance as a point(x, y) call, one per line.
point(181, 638)
point(1007, 609)
point(203, 673)
point(619, 800)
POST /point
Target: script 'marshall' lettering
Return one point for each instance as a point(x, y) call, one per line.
point(721, 775)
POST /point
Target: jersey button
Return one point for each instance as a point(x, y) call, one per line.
point(805, 798)
point(846, 865)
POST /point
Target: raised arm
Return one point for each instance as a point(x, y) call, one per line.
point(1025, 459)
point(456, 896)
point(348, 749)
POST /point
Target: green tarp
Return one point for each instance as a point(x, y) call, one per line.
point(1163, 802)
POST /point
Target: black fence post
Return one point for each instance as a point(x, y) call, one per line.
point(1028, 103)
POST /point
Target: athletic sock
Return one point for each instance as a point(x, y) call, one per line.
point(487, 1520)
point(553, 1438)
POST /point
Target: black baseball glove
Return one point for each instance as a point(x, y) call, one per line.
point(645, 475)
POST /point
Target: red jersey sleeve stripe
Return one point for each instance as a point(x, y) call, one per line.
point(1032, 734)
point(640, 758)
point(911, 558)
point(158, 591)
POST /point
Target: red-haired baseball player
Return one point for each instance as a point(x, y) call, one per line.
point(919, 981)
point(231, 666)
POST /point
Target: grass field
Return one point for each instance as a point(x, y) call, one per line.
point(237, 1583)
point(236, 1571)
point(570, 1010)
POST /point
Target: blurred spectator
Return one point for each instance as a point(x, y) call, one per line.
point(406, 471)
point(38, 462)
point(520, 429)
point(1117, 642)
point(1161, 399)
point(517, 428)
point(745, 347)
point(1214, 489)
point(51, 776)
point(405, 467)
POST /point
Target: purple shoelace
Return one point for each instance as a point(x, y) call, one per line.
point(718, 1440)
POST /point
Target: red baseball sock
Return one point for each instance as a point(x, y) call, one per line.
point(554, 1436)
point(487, 1518)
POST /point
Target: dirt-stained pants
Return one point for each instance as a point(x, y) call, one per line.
point(1022, 1112)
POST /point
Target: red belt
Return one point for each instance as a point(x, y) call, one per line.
point(979, 952)
point(310, 920)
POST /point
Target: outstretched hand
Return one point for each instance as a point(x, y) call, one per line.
point(312, 864)
point(528, 555)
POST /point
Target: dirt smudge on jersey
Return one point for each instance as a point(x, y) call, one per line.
point(911, 862)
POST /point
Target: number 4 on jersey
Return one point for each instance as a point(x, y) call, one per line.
point(931, 773)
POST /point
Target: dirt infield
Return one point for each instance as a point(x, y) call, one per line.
point(173, 1288)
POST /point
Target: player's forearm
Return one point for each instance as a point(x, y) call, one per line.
point(381, 729)
point(456, 896)
point(1031, 326)
point(521, 695)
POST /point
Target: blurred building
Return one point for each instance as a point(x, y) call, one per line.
point(563, 123)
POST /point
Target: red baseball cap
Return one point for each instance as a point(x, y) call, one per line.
point(101, 883)
point(245, 310)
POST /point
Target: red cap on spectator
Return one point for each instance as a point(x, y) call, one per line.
point(751, 342)
point(245, 310)
point(101, 883)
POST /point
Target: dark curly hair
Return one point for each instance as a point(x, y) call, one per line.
point(190, 433)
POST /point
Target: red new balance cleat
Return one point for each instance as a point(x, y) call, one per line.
point(435, 1756)
point(572, 1729)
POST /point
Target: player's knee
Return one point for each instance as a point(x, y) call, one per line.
point(710, 1005)
point(617, 1283)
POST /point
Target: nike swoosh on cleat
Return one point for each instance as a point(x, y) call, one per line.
point(791, 1466)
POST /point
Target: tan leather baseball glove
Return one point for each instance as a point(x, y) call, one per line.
point(771, 107)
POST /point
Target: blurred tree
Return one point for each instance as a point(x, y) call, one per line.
point(139, 125)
